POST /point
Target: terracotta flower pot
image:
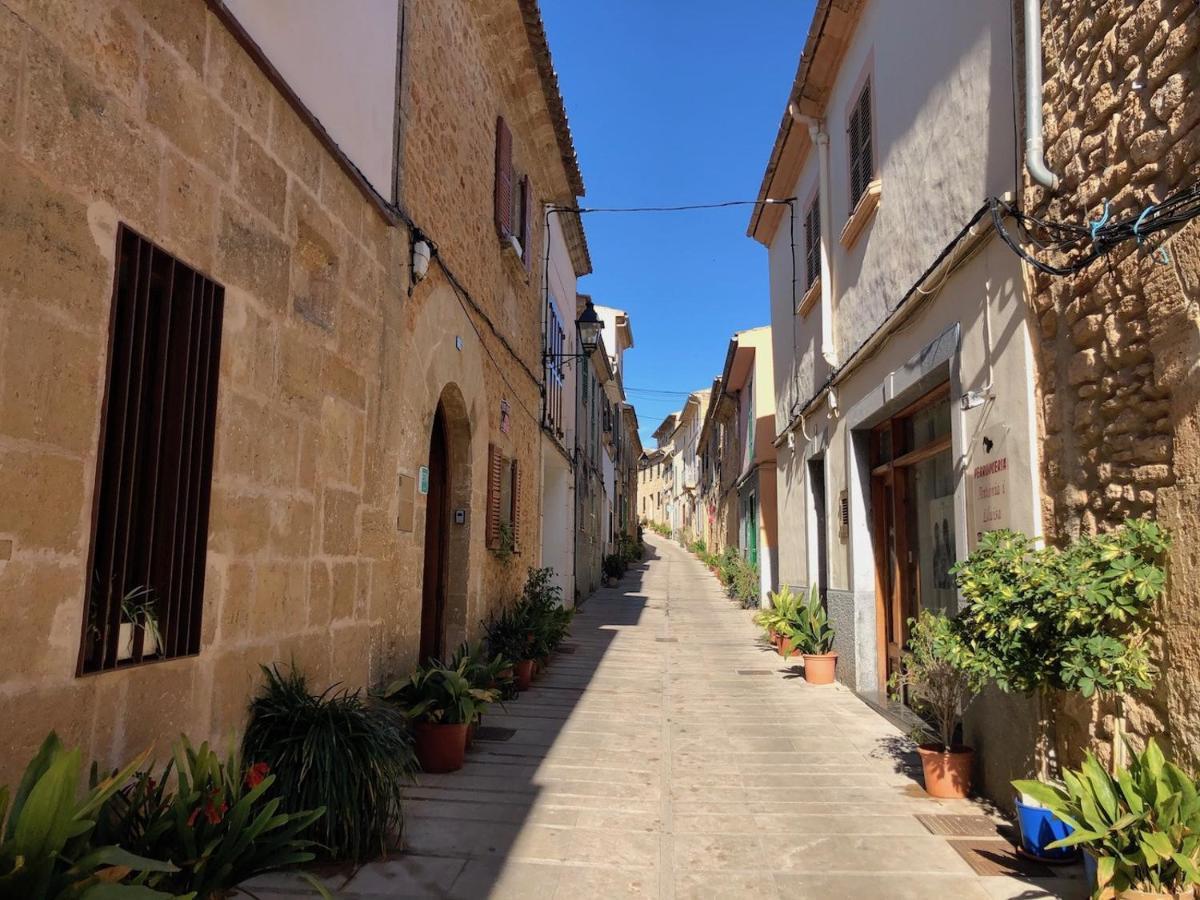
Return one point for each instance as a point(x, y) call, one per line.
point(947, 774)
point(1186, 894)
point(773, 636)
point(786, 648)
point(820, 669)
point(440, 748)
point(471, 733)
point(523, 672)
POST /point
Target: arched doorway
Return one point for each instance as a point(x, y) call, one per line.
point(437, 542)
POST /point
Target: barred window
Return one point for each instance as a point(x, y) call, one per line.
point(154, 466)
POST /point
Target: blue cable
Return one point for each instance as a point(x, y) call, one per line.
point(1102, 221)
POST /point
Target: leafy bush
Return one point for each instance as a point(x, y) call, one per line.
point(1075, 619)
point(1142, 824)
point(742, 581)
point(630, 549)
point(542, 610)
point(218, 828)
point(440, 695)
point(698, 547)
point(613, 566)
point(480, 669)
point(508, 636)
point(335, 750)
point(781, 614)
point(937, 687)
point(727, 564)
point(51, 848)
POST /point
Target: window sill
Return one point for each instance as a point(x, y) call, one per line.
point(810, 298)
point(863, 211)
point(510, 249)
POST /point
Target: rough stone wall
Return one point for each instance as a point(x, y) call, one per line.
point(1119, 343)
point(148, 112)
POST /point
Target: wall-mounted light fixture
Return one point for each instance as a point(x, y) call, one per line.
point(421, 254)
point(588, 327)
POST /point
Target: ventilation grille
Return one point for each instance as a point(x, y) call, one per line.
point(843, 515)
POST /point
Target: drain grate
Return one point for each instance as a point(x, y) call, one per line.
point(493, 733)
point(754, 671)
point(990, 857)
point(567, 648)
point(667, 640)
point(959, 826)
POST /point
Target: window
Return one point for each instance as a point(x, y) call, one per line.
point(513, 199)
point(154, 467)
point(862, 159)
point(504, 502)
point(812, 243)
point(554, 344)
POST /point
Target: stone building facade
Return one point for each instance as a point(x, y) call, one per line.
point(1118, 343)
point(157, 117)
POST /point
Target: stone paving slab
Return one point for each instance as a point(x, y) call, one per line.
point(643, 765)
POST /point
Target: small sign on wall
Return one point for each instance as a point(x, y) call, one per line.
point(423, 480)
point(505, 417)
point(990, 496)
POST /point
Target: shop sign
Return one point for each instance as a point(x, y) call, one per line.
point(990, 495)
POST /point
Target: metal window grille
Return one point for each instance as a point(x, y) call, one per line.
point(555, 347)
point(154, 468)
point(862, 161)
point(812, 244)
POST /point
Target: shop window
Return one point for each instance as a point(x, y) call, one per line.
point(154, 467)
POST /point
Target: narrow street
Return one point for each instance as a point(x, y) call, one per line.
point(670, 754)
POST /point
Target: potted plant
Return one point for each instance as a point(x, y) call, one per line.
point(138, 610)
point(780, 621)
point(482, 672)
point(508, 637)
point(937, 687)
point(1141, 825)
point(812, 633)
point(613, 569)
point(1044, 620)
point(440, 703)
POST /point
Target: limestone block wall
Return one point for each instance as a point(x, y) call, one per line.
point(1119, 343)
point(148, 112)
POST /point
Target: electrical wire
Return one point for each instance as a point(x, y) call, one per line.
point(723, 204)
point(1083, 244)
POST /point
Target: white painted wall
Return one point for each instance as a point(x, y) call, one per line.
point(340, 59)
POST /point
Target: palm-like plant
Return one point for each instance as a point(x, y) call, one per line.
point(337, 750)
point(1142, 824)
point(936, 685)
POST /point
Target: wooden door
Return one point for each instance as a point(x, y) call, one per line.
point(437, 540)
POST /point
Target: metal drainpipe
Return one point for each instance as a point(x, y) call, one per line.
point(1035, 161)
point(821, 141)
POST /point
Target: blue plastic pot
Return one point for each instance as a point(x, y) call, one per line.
point(1039, 827)
point(1089, 871)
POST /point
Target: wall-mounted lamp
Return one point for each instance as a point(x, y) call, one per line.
point(588, 326)
point(422, 253)
point(972, 399)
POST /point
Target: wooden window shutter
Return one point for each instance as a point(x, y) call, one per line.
point(504, 174)
point(495, 462)
point(526, 220)
point(515, 509)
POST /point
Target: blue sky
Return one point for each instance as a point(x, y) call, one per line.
point(675, 102)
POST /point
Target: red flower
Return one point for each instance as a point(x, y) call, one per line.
point(192, 818)
point(256, 773)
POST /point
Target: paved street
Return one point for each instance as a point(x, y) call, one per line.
point(671, 755)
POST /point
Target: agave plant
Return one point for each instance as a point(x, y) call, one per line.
point(1142, 824)
point(47, 851)
point(809, 627)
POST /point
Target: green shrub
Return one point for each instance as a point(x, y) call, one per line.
point(542, 610)
point(936, 687)
point(219, 827)
point(438, 694)
point(51, 847)
point(630, 549)
point(698, 547)
point(336, 750)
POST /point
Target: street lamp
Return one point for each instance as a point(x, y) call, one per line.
point(588, 326)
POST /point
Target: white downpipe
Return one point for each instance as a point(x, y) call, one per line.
point(1035, 160)
point(820, 140)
